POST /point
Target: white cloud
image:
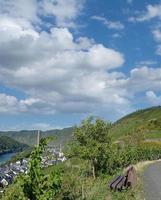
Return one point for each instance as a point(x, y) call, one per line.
point(65, 11)
point(60, 72)
point(20, 9)
point(57, 72)
point(152, 11)
point(153, 99)
point(7, 103)
point(157, 35)
point(10, 104)
point(117, 25)
point(143, 79)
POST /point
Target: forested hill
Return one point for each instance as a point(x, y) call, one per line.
point(148, 120)
point(29, 136)
point(8, 144)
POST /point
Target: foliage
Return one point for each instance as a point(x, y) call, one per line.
point(15, 191)
point(36, 185)
point(92, 143)
point(148, 120)
point(77, 184)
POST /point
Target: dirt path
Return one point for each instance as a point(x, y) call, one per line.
point(152, 181)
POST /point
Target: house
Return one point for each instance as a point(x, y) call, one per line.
point(3, 182)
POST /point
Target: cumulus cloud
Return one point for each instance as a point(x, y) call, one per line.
point(144, 78)
point(8, 103)
point(65, 11)
point(20, 10)
point(60, 72)
point(117, 25)
point(31, 12)
point(12, 105)
point(153, 99)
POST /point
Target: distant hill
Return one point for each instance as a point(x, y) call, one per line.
point(8, 144)
point(149, 120)
point(29, 136)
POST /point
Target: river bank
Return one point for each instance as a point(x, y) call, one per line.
point(6, 157)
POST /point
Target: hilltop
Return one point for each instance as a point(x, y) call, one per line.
point(29, 136)
point(147, 120)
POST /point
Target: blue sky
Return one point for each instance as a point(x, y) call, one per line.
point(62, 60)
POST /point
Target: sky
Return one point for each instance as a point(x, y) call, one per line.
point(63, 60)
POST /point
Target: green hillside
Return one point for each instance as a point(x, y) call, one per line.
point(8, 144)
point(147, 121)
point(29, 136)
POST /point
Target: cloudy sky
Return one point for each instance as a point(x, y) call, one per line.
point(62, 60)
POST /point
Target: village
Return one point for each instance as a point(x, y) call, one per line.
point(8, 172)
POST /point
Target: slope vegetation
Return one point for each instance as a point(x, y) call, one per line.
point(147, 121)
point(8, 144)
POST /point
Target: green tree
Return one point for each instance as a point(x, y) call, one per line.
point(91, 142)
point(37, 185)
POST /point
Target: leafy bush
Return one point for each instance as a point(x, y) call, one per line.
point(35, 185)
point(92, 143)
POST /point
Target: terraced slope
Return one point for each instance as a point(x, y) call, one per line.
point(147, 120)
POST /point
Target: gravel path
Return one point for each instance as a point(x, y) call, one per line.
point(152, 182)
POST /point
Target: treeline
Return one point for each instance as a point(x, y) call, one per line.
point(93, 158)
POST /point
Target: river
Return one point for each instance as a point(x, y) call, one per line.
point(5, 157)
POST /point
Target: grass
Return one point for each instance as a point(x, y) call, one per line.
point(89, 188)
point(140, 119)
point(98, 189)
point(84, 186)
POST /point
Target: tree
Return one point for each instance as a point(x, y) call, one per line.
point(36, 185)
point(91, 142)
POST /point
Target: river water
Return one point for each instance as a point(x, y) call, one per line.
point(5, 157)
